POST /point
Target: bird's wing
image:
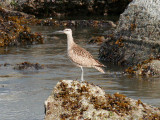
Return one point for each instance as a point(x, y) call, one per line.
point(100, 64)
point(81, 52)
point(85, 55)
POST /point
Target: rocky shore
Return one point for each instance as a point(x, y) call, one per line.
point(84, 101)
point(136, 37)
point(61, 8)
point(133, 42)
point(14, 30)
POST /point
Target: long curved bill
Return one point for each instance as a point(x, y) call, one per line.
point(58, 32)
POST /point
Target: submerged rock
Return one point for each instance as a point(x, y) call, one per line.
point(28, 65)
point(149, 67)
point(24, 66)
point(83, 101)
point(97, 40)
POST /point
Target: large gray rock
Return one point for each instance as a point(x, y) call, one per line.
point(141, 21)
point(137, 35)
point(73, 100)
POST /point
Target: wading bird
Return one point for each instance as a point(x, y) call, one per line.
point(78, 55)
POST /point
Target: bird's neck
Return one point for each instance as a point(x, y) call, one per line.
point(70, 41)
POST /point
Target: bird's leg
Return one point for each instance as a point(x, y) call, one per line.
point(82, 74)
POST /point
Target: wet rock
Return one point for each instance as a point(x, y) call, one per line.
point(136, 37)
point(97, 40)
point(111, 24)
point(5, 13)
point(113, 51)
point(81, 100)
point(24, 66)
point(140, 21)
point(48, 8)
point(121, 52)
point(5, 65)
point(28, 65)
point(5, 3)
point(26, 19)
point(14, 32)
point(149, 67)
point(116, 6)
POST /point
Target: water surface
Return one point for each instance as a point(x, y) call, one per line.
point(22, 93)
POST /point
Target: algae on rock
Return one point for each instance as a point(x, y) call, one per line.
point(14, 31)
point(137, 35)
point(81, 100)
point(141, 21)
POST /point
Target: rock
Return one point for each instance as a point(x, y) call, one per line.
point(14, 32)
point(28, 65)
point(140, 21)
point(136, 37)
point(48, 8)
point(7, 12)
point(97, 40)
point(83, 101)
point(149, 67)
point(155, 65)
point(113, 51)
point(24, 66)
point(116, 6)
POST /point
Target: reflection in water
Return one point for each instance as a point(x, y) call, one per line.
point(22, 93)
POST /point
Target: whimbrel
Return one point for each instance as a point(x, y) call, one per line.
point(78, 55)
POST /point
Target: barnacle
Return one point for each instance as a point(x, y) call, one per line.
point(133, 26)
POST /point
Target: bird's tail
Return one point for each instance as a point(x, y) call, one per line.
point(99, 69)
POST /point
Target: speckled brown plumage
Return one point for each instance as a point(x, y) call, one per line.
point(79, 56)
point(83, 58)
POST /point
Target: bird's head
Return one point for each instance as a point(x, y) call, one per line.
point(65, 31)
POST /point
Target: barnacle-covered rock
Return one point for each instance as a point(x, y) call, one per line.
point(97, 40)
point(121, 52)
point(13, 30)
point(25, 19)
point(148, 67)
point(113, 51)
point(136, 37)
point(5, 13)
point(60, 8)
point(140, 21)
point(83, 101)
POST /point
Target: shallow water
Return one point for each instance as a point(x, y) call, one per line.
point(22, 93)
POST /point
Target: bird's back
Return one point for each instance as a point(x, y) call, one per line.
point(82, 57)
